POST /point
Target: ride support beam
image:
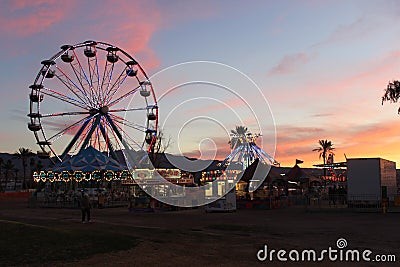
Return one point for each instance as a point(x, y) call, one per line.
point(73, 141)
point(116, 130)
point(109, 145)
point(89, 135)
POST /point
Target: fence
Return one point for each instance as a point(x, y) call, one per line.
point(54, 200)
point(342, 202)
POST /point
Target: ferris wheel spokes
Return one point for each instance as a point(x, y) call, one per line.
point(80, 75)
point(64, 98)
point(125, 122)
point(119, 99)
point(108, 95)
point(70, 84)
point(127, 146)
point(64, 114)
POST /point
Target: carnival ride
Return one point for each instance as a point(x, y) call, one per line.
point(245, 151)
point(92, 94)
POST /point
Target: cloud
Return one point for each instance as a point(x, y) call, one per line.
point(222, 150)
point(290, 63)
point(227, 104)
point(125, 24)
point(293, 142)
point(322, 115)
point(349, 92)
point(372, 140)
point(25, 18)
point(355, 31)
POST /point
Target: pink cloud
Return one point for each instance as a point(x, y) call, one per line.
point(290, 63)
point(129, 26)
point(373, 73)
point(359, 28)
point(222, 146)
point(225, 105)
point(365, 76)
point(24, 18)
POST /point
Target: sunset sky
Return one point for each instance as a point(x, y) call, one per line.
point(321, 65)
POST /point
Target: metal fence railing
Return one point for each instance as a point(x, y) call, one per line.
point(52, 200)
point(359, 202)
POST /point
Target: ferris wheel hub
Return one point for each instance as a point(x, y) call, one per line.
point(103, 110)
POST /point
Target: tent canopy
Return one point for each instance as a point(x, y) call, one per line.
point(263, 172)
point(297, 174)
point(88, 160)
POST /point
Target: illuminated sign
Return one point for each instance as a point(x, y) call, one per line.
point(170, 173)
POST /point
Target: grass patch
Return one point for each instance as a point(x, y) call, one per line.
point(22, 244)
point(229, 227)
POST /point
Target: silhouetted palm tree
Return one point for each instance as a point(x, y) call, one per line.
point(8, 166)
point(32, 163)
point(1, 173)
point(24, 154)
point(324, 149)
point(39, 166)
point(16, 170)
point(239, 136)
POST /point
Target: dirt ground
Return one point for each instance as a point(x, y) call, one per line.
point(195, 238)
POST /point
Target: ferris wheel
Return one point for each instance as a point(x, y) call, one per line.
point(92, 94)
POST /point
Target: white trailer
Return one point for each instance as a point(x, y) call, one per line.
point(226, 203)
point(371, 179)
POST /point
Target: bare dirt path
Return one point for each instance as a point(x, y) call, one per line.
point(195, 238)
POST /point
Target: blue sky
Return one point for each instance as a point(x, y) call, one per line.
point(322, 65)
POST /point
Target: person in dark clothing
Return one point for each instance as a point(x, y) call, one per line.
point(342, 195)
point(85, 208)
point(332, 195)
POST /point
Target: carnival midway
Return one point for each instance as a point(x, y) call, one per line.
point(95, 117)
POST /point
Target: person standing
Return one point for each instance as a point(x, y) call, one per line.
point(85, 208)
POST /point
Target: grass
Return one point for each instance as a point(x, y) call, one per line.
point(23, 244)
point(231, 228)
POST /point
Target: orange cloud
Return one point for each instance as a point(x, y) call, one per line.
point(375, 140)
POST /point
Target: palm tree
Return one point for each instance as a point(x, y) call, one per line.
point(32, 163)
point(39, 166)
point(24, 154)
point(325, 148)
point(1, 171)
point(16, 170)
point(8, 166)
point(239, 136)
